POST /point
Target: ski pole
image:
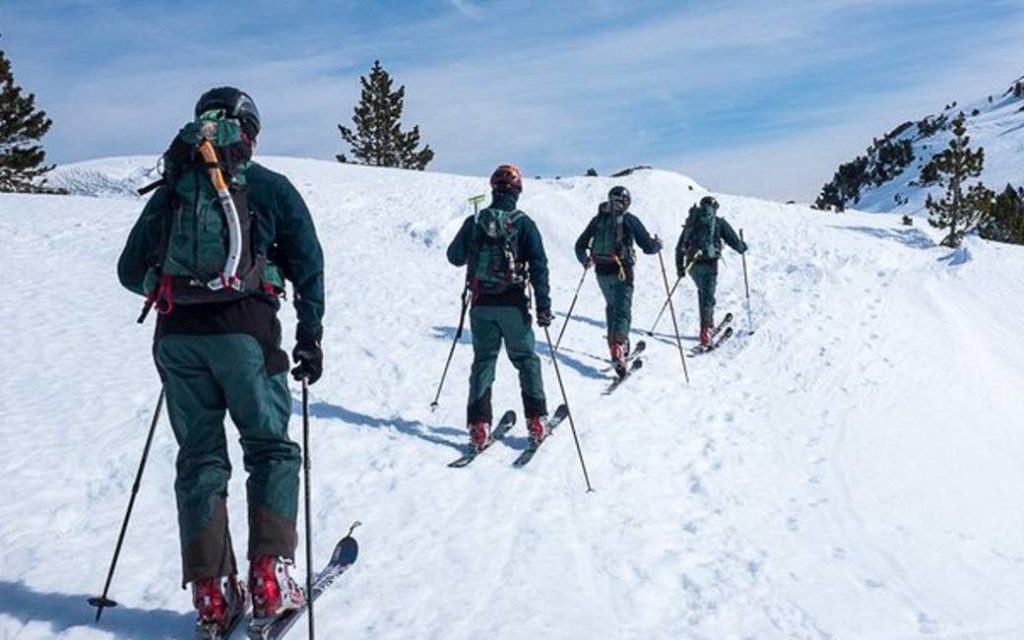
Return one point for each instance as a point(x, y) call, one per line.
point(746, 286)
point(572, 423)
point(455, 341)
point(671, 293)
point(672, 310)
point(664, 306)
point(572, 306)
point(309, 518)
point(103, 601)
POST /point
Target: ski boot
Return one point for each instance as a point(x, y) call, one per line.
point(619, 353)
point(220, 603)
point(705, 335)
point(479, 435)
point(274, 591)
point(538, 429)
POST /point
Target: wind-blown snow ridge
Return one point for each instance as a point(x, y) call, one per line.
point(849, 471)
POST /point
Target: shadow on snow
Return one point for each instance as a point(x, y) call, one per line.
point(65, 611)
point(408, 427)
point(959, 257)
point(448, 334)
point(914, 238)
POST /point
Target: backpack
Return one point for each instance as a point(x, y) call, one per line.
point(205, 253)
point(494, 266)
point(608, 245)
point(703, 235)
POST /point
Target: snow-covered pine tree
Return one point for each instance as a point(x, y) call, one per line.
point(378, 139)
point(21, 127)
point(962, 206)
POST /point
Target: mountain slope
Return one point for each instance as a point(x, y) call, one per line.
point(889, 176)
point(851, 470)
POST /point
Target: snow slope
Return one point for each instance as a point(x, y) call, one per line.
point(850, 471)
point(995, 123)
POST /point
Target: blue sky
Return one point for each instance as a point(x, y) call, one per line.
point(755, 97)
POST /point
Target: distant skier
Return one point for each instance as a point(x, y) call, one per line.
point(502, 251)
point(699, 248)
point(609, 239)
point(217, 348)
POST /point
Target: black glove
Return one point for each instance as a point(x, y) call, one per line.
point(544, 317)
point(658, 245)
point(310, 359)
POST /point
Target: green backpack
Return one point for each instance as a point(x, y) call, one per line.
point(608, 245)
point(494, 266)
point(206, 251)
point(703, 235)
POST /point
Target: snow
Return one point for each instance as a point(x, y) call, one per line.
point(850, 471)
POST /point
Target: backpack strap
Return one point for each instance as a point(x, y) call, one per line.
point(161, 295)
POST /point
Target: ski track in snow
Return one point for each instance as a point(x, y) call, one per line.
point(849, 471)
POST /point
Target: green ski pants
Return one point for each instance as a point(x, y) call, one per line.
point(490, 326)
point(618, 307)
point(705, 276)
point(206, 377)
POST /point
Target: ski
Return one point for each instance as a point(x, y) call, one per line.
point(344, 556)
point(698, 350)
point(721, 325)
point(633, 368)
point(561, 413)
point(504, 425)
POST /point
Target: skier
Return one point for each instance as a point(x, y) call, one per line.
point(502, 251)
point(218, 348)
point(699, 248)
point(609, 237)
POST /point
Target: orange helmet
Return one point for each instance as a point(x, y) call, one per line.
point(509, 176)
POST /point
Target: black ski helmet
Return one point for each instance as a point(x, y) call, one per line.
point(236, 104)
point(620, 197)
point(708, 202)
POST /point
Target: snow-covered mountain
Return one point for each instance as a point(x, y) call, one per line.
point(892, 175)
point(852, 470)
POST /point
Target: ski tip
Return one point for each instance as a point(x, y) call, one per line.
point(510, 416)
point(562, 410)
point(346, 551)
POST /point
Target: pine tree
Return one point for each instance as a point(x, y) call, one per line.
point(21, 127)
point(962, 207)
point(830, 199)
point(1005, 222)
point(378, 139)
